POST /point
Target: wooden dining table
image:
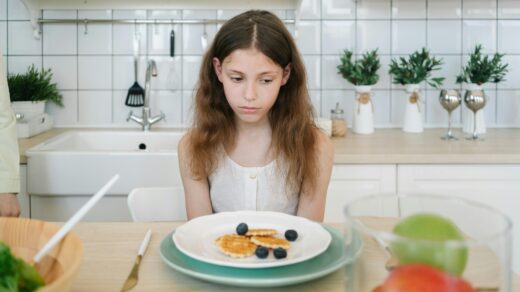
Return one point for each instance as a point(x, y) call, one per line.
point(110, 250)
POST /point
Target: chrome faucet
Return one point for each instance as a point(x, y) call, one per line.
point(145, 120)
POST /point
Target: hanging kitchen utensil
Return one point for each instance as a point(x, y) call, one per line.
point(172, 73)
point(135, 96)
point(204, 38)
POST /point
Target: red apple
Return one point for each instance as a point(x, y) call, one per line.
point(422, 278)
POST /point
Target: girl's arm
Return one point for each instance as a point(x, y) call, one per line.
point(196, 192)
point(312, 201)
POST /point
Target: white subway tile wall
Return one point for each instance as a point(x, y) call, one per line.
point(93, 65)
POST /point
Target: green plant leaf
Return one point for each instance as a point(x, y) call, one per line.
point(416, 69)
point(362, 71)
point(481, 68)
point(34, 85)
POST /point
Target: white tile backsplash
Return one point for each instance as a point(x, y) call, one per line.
point(159, 39)
point(192, 37)
point(96, 39)
point(403, 9)
point(408, 36)
point(509, 9)
point(3, 36)
point(373, 34)
point(20, 40)
point(444, 36)
point(124, 37)
point(20, 64)
point(169, 73)
point(308, 33)
point(444, 9)
point(124, 75)
point(374, 9)
point(63, 34)
point(190, 71)
point(310, 9)
point(16, 10)
point(64, 70)
point(188, 97)
point(67, 115)
point(337, 36)
point(330, 79)
point(313, 67)
point(479, 32)
point(508, 105)
point(338, 9)
point(508, 36)
point(3, 9)
point(479, 9)
point(95, 70)
point(95, 107)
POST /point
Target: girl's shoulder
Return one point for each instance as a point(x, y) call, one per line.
point(184, 143)
point(324, 144)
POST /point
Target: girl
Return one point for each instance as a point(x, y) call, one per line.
point(254, 144)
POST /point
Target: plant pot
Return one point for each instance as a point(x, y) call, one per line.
point(413, 121)
point(363, 122)
point(28, 109)
point(468, 125)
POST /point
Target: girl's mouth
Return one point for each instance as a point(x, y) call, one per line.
point(249, 110)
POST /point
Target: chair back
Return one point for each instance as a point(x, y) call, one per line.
point(157, 204)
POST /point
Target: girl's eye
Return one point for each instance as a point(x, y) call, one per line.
point(236, 79)
point(266, 81)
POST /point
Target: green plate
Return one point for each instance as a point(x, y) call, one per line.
point(329, 261)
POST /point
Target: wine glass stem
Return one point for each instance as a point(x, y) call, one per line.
point(449, 125)
point(475, 125)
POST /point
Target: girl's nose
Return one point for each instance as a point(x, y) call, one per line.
point(250, 94)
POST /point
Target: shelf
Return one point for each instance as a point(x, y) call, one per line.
point(35, 6)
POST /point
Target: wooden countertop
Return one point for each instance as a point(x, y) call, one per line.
point(110, 250)
point(389, 146)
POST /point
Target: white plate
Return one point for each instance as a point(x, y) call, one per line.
point(196, 238)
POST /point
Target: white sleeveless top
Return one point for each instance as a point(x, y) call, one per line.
point(234, 187)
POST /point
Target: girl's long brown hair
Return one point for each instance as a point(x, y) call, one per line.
point(291, 117)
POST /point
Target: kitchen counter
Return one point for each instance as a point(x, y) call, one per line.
point(110, 250)
point(388, 146)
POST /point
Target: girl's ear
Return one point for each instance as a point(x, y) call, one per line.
point(286, 73)
point(218, 68)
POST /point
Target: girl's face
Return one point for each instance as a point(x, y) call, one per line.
point(251, 83)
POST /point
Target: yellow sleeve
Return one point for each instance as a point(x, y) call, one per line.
point(9, 155)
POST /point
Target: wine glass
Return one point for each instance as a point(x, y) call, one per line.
point(450, 99)
point(474, 100)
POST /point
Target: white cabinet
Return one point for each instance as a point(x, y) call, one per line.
point(23, 198)
point(494, 185)
point(61, 208)
point(352, 181)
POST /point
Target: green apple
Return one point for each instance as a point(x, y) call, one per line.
point(424, 237)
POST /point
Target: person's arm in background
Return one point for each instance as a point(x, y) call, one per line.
point(9, 155)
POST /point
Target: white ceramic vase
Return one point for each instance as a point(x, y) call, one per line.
point(28, 109)
point(467, 126)
point(413, 121)
point(363, 122)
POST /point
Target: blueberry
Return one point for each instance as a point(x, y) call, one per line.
point(262, 252)
point(279, 253)
point(291, 234)
point(242, 229)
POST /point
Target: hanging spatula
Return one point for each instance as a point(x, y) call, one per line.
point(135, 96)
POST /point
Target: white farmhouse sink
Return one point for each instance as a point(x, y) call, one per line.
point(78, 163)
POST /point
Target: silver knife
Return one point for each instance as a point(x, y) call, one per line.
point(131, 281)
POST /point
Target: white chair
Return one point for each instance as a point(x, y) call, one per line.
point(157, 204)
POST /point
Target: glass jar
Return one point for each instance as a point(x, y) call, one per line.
point(339, 125)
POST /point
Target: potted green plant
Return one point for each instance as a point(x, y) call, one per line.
point(479, 69)
point(362, 73)
point(410, 72)
point(30, 91)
